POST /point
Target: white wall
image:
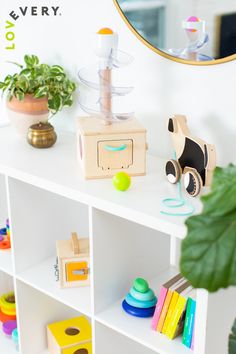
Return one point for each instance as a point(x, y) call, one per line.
point(205, 94)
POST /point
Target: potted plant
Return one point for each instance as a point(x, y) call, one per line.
point(34, 93)
point(208, 256)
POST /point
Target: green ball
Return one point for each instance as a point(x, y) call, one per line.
point(121, 181)
point(141, 285)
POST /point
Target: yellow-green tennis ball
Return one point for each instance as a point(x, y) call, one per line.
point(121, 181)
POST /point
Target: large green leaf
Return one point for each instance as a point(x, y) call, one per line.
point(232, 340)
point(208, 258)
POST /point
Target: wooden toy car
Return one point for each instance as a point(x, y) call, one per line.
point(195, 159)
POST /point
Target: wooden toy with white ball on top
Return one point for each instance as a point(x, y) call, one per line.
point(107, 141)
point(195, 159)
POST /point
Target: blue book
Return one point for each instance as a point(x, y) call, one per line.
point(189, 322)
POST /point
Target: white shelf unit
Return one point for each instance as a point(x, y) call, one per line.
point(46, 198)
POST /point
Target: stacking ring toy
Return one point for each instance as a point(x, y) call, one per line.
point(148, 296)
point(134, 311)
point(140, 304)
point(5, 244)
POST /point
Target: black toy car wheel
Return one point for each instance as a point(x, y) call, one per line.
point(192, 182)
point(173, 171)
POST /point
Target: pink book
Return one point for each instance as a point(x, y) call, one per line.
point(161, 299)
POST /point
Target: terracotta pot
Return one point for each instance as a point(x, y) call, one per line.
point(23, 114)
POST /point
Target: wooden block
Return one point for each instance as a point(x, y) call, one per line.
point(104, 150)
point(73, 262)
point(70, 336)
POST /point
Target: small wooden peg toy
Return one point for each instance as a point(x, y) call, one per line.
point(73, 262)
point(73, 336)
point(195, 159)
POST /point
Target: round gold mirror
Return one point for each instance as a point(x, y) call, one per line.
point(197, 32)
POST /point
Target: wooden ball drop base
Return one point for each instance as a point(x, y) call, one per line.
point(103, 150)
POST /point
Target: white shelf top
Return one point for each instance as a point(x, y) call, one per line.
point(6, 261)
point(57, 170)
point(7, 345)
point(139, 329)
point(41, 277)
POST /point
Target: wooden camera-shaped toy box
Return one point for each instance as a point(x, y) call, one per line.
point(73, 336)
point(104, 150)
point(73, 262)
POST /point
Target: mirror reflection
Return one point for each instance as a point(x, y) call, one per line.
point(199, 30)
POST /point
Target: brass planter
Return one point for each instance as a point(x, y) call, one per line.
point(41, 135)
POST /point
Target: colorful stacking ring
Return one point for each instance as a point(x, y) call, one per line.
point(1, 238)
point(140, 304)
point(3, 231)
point(8, 313)
point(5, 244)
point(8, 327)
point(134, 311)
point(7, 303)
point(15, 337)
point(148, 296)
point(5, 318)
point(141, 285)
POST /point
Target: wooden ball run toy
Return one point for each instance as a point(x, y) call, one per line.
point(72, 336)
point(141, 300)
point(195, 159)
point(108, 141)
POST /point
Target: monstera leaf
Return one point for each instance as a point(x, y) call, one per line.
point(232, 340)
point(208, 258)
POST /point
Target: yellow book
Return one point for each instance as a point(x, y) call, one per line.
point(175, 326)
point(180, 285)
point(173, 303)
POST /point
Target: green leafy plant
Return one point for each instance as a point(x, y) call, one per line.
point(208, 257)
point(40, 80)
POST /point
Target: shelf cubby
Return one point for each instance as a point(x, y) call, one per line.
point(40, 219)
point(123, 251)
point(5, 255)
point(7, 346)
point(36, 310)
point(109, 341)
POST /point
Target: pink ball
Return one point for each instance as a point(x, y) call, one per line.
point(193, 19)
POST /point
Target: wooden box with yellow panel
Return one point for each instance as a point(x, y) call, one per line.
point(108, 142)
point(72, 336)
point(73, 262)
